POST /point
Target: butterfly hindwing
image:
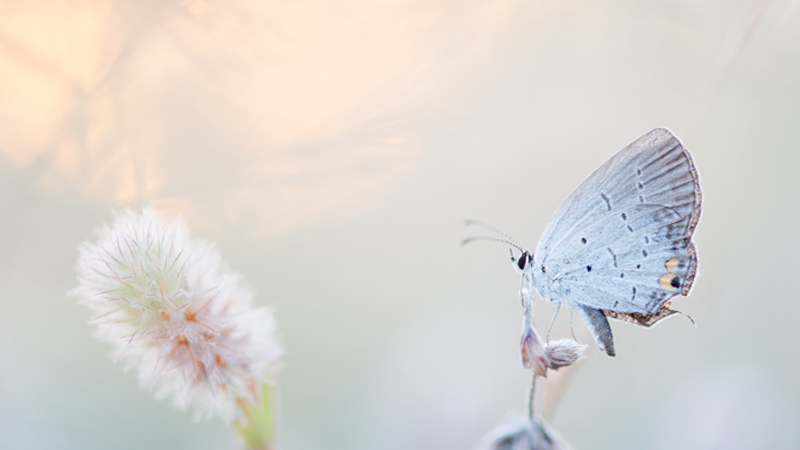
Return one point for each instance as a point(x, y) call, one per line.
point(643, 261)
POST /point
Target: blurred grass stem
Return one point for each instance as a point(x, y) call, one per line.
point(530, 396)
point(257, 430)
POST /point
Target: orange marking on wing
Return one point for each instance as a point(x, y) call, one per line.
point(672, 264)
point(666, 282)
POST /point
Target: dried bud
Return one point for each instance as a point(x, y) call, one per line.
point(533, 354)
point(562, 353)
point(523, 434)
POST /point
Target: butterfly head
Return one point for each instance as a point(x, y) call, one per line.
point(524, 263)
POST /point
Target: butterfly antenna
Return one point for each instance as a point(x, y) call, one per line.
point(511, 240)
point(486, 238)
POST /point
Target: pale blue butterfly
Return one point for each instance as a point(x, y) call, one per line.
point(620, 245)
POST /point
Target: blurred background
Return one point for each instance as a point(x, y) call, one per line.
point(333, 151)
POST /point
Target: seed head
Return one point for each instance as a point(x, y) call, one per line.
point(563, 352)
point(171, 308)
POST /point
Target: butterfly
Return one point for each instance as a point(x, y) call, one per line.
point(620, 246)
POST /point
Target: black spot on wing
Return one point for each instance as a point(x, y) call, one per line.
point(613, 255)
point(608, 202)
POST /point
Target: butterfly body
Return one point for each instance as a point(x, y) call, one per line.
point(620, 245)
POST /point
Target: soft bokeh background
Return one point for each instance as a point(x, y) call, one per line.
point(334, 149)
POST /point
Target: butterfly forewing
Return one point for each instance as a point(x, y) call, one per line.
point(622, 241)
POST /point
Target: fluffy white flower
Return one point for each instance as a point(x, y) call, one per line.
point(172, 309)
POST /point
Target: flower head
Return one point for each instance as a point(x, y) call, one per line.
point(532, 352)
point(563, 353)
point(173, 309)
point(523, 434)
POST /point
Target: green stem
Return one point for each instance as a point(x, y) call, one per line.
point(257, 430)
point(530, 397)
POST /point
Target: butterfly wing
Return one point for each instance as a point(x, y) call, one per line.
point(622, 241)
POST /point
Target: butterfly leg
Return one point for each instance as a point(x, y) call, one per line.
point(552, 321)
point(598, 325)
point(571, 330)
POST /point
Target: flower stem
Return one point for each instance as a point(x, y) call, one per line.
point(257, 430)
point(530, 397)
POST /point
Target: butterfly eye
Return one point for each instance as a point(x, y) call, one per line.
point(524, 261)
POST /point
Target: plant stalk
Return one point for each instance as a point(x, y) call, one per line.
point(530, 396)
point(257, 430)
